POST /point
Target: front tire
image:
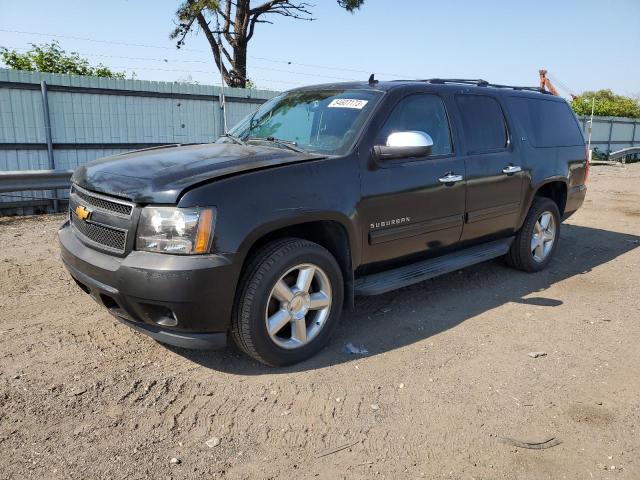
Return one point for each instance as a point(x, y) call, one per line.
point(537, 240)
point(289, 302)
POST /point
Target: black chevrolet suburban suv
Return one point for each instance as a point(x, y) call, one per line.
point(324, 193)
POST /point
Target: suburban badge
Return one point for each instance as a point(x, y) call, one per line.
point(388, 223)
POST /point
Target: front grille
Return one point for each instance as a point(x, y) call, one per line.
point(99, 201)
point(102, 235)
point(108, 220)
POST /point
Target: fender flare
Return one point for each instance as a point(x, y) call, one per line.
point(530, 195)
point(302, 217)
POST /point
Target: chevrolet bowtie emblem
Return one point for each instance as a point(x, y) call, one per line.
point(83, 212)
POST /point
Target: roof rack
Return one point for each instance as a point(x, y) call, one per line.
point(477, 81)
point(481, 83)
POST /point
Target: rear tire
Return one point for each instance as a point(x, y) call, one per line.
point(537, 240)
point(289, 302)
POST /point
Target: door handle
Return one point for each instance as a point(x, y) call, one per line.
point(511, 169)
point(450, 178)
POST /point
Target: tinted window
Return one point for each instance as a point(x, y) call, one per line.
point(547, 123)
point(424, 113)
point(482, 122)
point(323, 121)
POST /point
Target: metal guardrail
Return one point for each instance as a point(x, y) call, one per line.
point(21, 180)
point(624, 153)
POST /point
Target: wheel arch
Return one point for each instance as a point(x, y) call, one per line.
point(554, 188)
point(331, 233)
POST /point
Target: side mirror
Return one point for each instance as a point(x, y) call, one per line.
point(405, 145)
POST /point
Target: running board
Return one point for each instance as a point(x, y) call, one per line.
point(417, 272)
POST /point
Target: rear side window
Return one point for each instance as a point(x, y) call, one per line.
point(483, 123)
point(547, 123)
point(424, 113)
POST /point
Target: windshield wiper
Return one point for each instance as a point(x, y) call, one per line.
point(233, 138)
point(281, 143)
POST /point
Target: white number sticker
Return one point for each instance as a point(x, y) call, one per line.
point(348, 103)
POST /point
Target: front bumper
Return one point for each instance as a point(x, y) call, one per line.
point(179, 300)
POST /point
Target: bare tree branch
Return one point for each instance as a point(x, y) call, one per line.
point(215, 48)
point(235, 22)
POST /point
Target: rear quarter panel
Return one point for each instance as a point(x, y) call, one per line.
point(543, 165)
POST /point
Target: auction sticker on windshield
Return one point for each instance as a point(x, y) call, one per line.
point(348, 103)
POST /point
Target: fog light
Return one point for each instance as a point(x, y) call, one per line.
point(159, 314)
point(168, 319)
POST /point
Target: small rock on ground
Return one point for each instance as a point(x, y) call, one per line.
point(537, 354)
point(213, 442)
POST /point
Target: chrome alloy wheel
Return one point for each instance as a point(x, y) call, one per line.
point(298, 306)
point(544, 234)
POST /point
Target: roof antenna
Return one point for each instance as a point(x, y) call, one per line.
point(221, 98)
point(372, 80)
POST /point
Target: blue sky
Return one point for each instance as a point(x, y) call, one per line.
point(584, 44)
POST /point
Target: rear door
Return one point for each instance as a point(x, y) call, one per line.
point(407, 206)
point(494, 176)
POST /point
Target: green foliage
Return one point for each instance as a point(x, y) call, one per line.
point(596, 154)
point(350, 5)
point(51, 58)
point(607, 105)
point(186, 15)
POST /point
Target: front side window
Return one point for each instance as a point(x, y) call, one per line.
point(482, 122)
point(422, 113)
point(318, 121)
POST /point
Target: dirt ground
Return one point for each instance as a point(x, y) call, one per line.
point(447, 375)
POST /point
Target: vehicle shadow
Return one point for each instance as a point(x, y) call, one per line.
point(411, 314)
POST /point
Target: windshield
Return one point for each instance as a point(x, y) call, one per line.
point(318, 121)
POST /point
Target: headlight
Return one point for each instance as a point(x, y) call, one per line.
point(175, 230)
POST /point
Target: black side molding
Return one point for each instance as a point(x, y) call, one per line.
point(413, 229)
point(417, 272)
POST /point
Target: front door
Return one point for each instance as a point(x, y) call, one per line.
point(494, 177)
point(413, 205)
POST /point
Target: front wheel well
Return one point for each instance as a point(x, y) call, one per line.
point(556, 191)
point(329, 234)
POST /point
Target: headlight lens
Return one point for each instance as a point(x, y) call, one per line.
point(182, 231)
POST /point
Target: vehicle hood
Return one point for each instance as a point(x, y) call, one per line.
point(161, 174)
